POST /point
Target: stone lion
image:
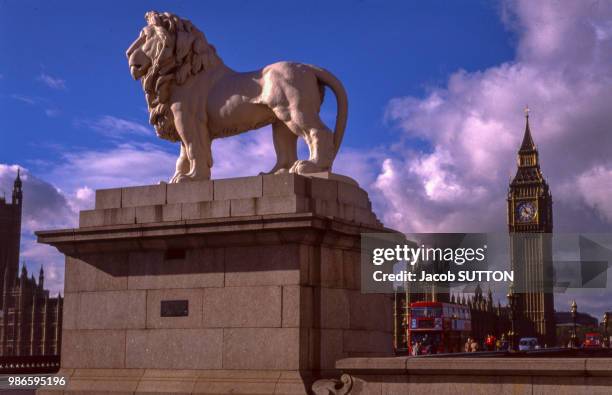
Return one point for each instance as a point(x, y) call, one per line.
point(193, 97)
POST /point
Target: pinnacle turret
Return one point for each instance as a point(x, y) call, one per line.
point(41, 277)
point(17, 190)
point(527, 145)
point(18, 179)
point(528, 158)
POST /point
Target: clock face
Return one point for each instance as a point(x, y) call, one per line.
point(526, 212)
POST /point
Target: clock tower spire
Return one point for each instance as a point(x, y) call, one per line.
point(529, 197)
point(530, 222)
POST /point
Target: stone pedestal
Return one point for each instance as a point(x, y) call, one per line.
point(246, 285)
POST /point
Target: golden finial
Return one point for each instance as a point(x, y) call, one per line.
point(527, 111)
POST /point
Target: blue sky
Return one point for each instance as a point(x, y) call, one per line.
point(436, 96)
point(379, 52)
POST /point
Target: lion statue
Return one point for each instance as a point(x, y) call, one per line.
point(193, 98)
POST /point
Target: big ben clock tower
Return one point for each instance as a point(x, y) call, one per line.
point(530, 222)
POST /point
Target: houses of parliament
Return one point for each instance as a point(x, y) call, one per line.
point(30, 320)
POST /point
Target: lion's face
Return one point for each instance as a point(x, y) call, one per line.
point(148, 46)
point(168, 51)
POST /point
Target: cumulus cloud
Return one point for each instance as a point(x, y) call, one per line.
point(244, 155)
point(36, 255)
point(473, 127)
point(595, 186)
point(52, 82)
point(82, 171)
point(43, 204)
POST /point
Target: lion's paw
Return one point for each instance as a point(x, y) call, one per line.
point(186, 178)
point(174, 178)
point(180, 178)
point(305, 167)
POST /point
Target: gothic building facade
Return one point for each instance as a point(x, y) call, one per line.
point(30, 320)
point(487, 317)
point(530, 223)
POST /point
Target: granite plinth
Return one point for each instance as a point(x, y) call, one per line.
point(325, 194)
point(268, 267)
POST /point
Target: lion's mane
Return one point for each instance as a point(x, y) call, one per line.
point(182, 52)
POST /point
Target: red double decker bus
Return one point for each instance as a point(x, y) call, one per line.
point(437, 327)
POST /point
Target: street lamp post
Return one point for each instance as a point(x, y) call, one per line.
point(512, 303)
point(605, 328)
point(574, 311)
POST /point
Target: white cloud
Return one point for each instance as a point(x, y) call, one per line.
point(43, 204)
point(133, 163)
point(360, 165)
point(36, 255)
point(115, 127)
point(24, 98)
point(80, 172)
point(50, 112)
point(473, 127)
point(82, 198)
point(84, 193)
point(121, 165)
point(44, 104)
point(244, 155)
point(52, 82)
point(595, 187)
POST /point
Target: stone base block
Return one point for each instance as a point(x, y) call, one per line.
point(325, 194)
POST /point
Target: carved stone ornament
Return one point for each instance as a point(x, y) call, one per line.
point(193, 98)
point(333, 386)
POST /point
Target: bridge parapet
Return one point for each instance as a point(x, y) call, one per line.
point(417, 375)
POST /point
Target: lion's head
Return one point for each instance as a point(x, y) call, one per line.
point(168, 51)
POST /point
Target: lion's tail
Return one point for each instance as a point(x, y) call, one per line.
point(327, 78)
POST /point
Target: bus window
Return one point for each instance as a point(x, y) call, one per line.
point(428, 312)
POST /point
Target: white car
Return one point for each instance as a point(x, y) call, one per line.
point(528, 343)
